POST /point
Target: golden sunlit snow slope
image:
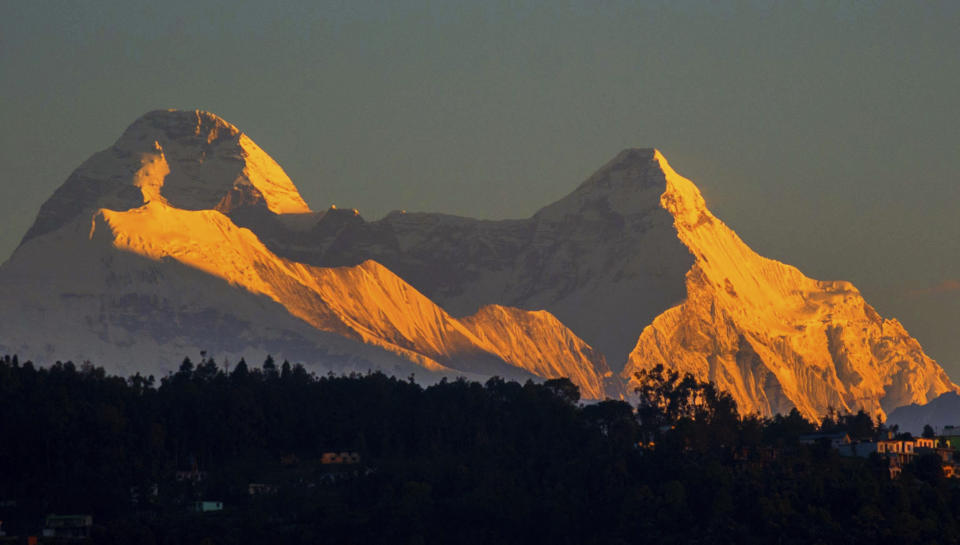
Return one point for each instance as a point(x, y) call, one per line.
point(366, 302)
point(543, 343)
point(772, 337)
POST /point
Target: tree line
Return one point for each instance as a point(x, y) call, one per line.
point(454, 462)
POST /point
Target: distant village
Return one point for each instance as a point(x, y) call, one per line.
point(895, 448)
point(290, 471)
point(898, 449)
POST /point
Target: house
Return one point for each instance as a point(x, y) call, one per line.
point(833, 439)
point(193, 476)
point(946, 455)
point(897, 452)
point(260, 489)
point(900, 452)
point(340, 458)
point(902, 447)
point(68, 526)
point(951, 436)
point(207, 506)
point(144, 494)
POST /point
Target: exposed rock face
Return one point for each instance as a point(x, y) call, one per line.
point(186, 236)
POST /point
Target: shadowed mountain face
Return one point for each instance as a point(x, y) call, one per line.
point(631, 268)
point(605, 260)
point(939, 413)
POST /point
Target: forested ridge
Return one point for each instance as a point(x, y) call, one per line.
point(455, 462)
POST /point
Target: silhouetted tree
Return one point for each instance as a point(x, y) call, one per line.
point(270, 367)
point(455, 462)
point(563, 388)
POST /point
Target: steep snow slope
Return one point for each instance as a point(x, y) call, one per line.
point(545, 346)
point(170, 182)
point(771, 336)
point(605, 260)
point(366, 302)
point(66, 295)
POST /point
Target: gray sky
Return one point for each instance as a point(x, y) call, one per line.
point(827, 134)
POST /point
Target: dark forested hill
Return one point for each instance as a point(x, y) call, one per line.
point(457, 462)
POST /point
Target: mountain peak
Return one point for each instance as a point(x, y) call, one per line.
point(631, 183)
point(189, 159)
point(634, 159)
point(180, 125)
point(212, 164)
point(634, 155)
point(630, 171)
point(771, 336)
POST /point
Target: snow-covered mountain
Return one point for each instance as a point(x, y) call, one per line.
point(605, 260)
point(185, 235)
point(638, 267)
point(146, 267)
point(773, 337)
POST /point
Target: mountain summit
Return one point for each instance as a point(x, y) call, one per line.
point(637, 266)
point(773, 337)
point(192, 160)
point(185, 235)
point(159, 270)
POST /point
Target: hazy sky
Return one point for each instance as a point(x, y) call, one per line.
point(827, 134)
